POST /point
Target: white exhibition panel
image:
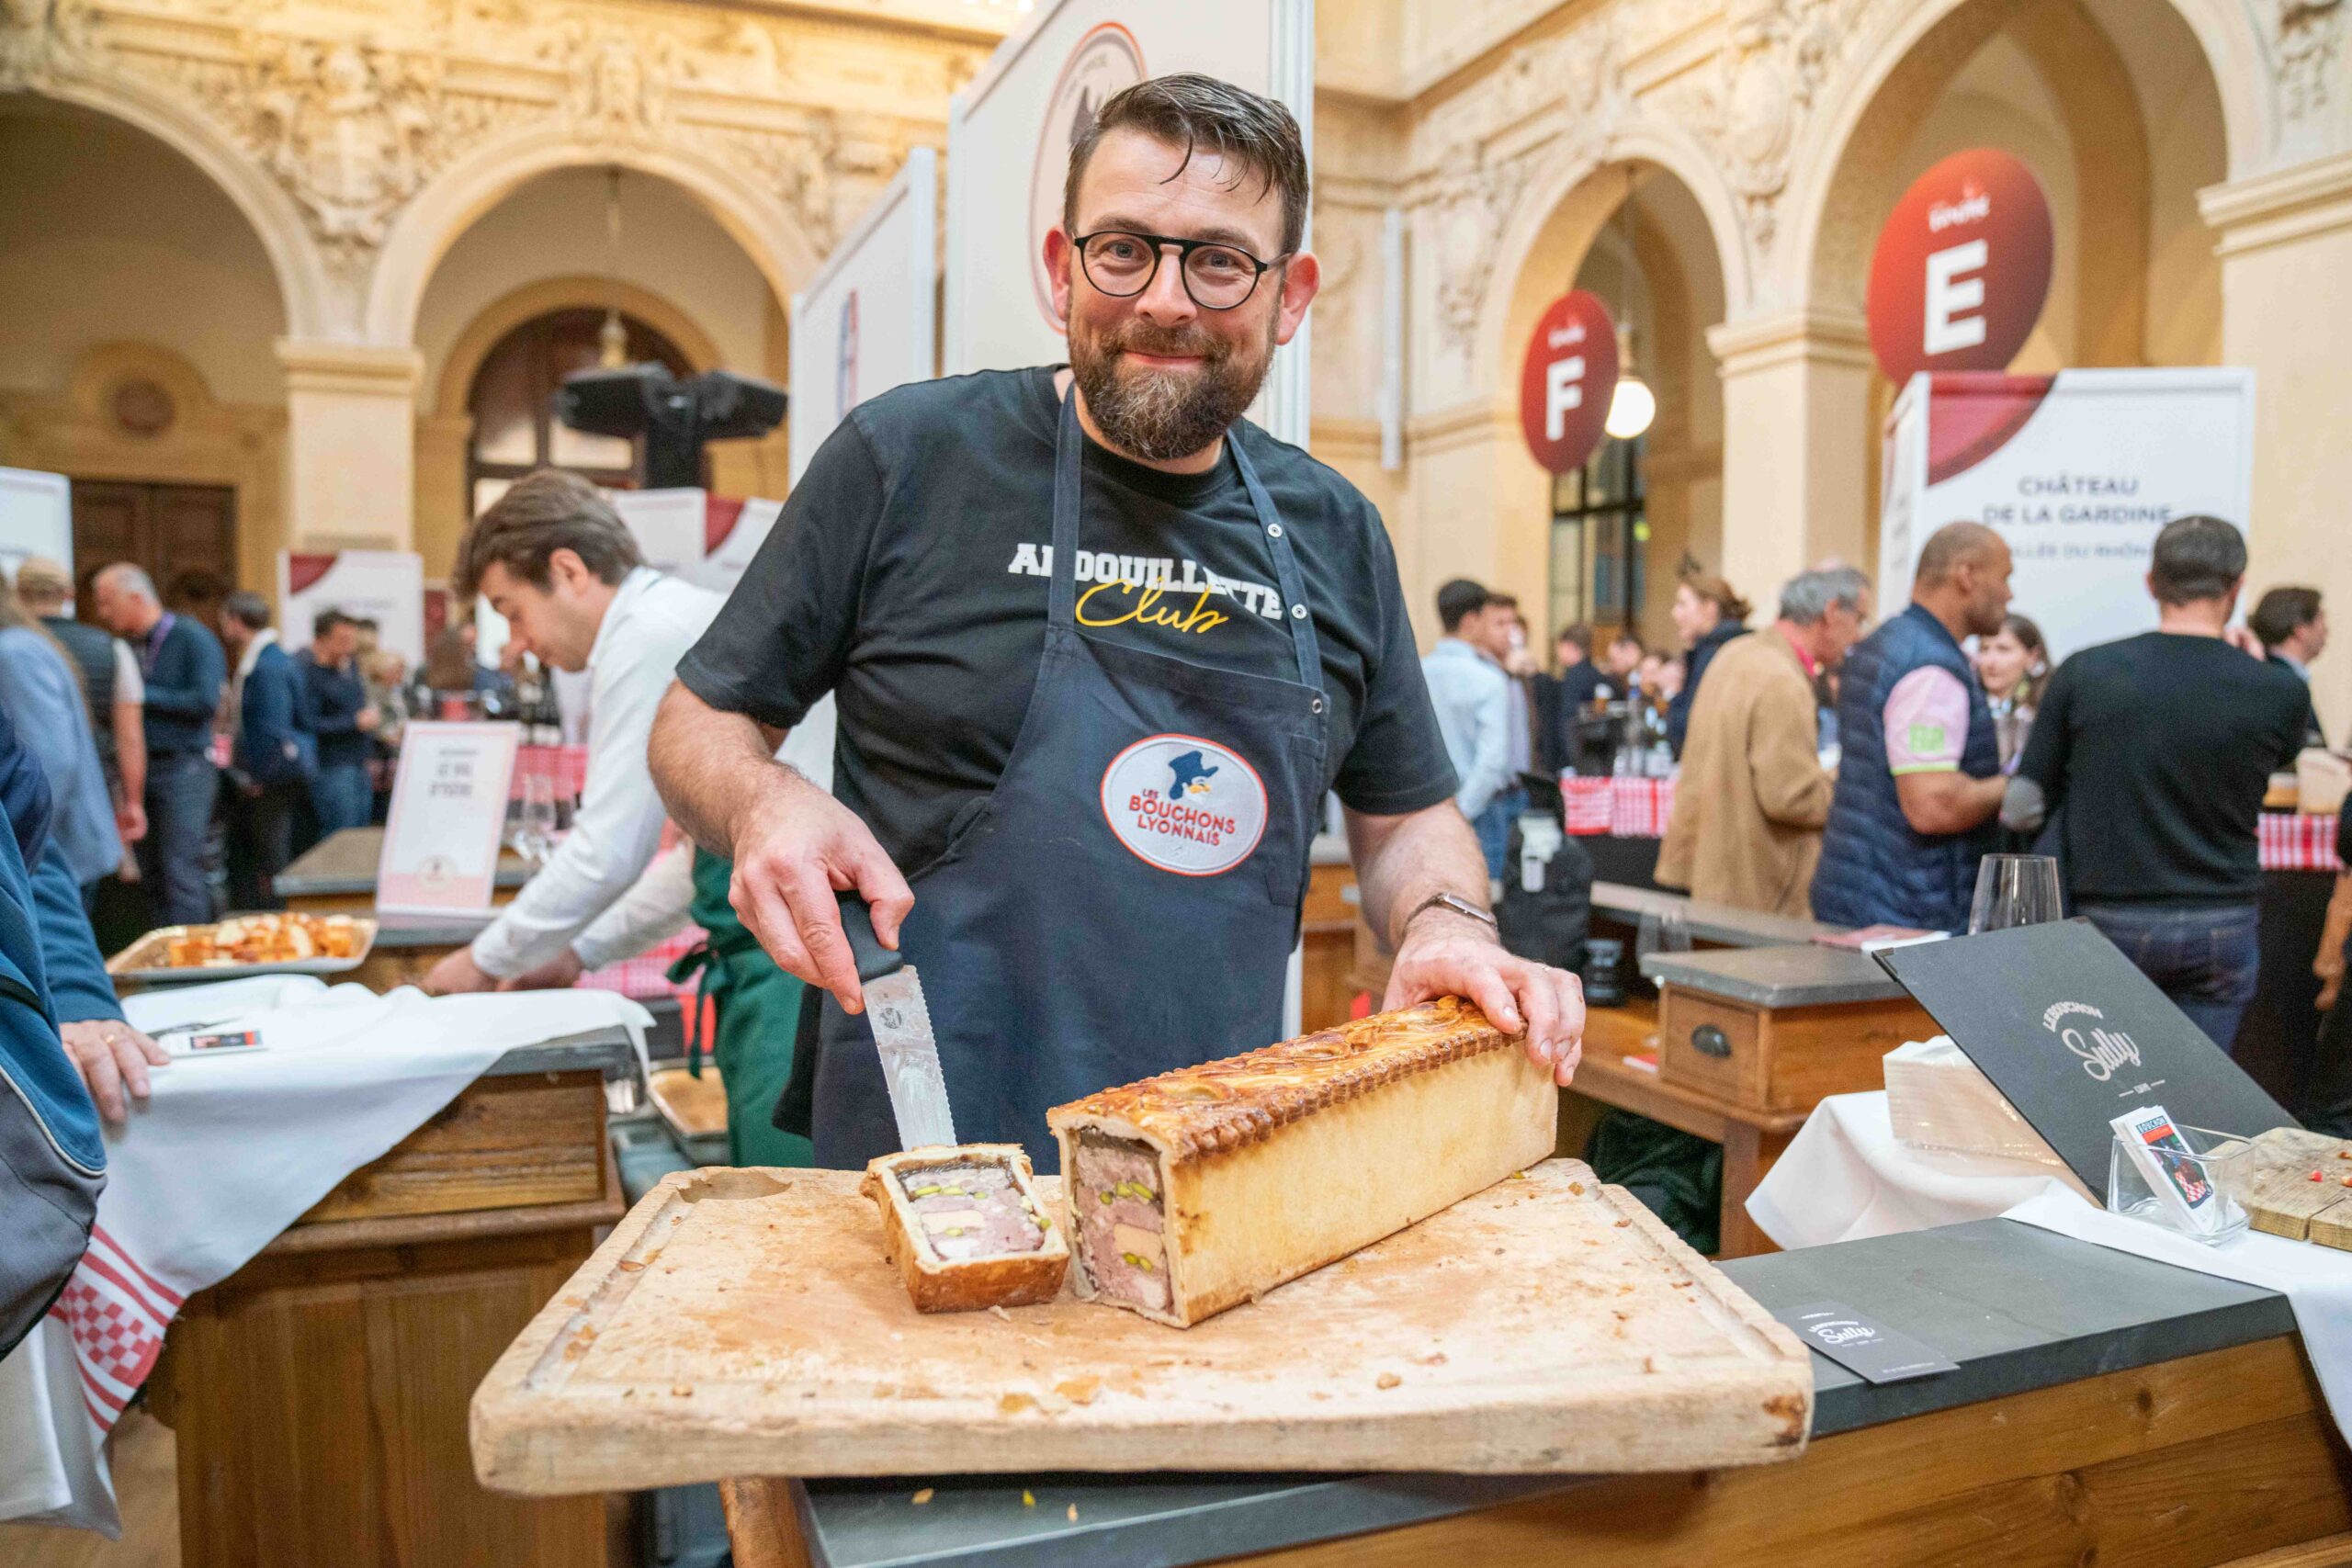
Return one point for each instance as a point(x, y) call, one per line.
point(383, 586)
point(36, 519)
point(868, 321)
point(668, 525)
point(1008, 151)
point(2079, 490)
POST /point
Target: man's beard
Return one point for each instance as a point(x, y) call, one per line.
point(1161, 416)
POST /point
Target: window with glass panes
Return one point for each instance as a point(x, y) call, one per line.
point(1600, 539)
point(513, 404)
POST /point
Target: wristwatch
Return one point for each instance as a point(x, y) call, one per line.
point(1456, 903)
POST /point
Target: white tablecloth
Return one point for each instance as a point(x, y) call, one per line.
point(1845, 1177)
point(226, 1154)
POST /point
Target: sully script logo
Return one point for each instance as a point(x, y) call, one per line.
point(1843, 1332)
point(2101, 1050)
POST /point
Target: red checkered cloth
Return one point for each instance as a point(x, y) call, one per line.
point(648, 974)
point(2292, 842)
point(1586, 804)
point(568, 765)
point(1638, 808)
point(115, 1312)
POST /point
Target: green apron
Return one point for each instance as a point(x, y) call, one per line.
point(758, 1011)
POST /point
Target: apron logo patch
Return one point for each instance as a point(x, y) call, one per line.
point(1184, 804)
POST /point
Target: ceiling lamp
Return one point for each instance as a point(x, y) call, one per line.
point(612, 338)
point(1632, 405)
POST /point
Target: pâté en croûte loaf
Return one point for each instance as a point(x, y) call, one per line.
point(1198, 1190)
point(965, 1227)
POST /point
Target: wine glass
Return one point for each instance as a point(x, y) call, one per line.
point(534, 824)
point(2015, 890)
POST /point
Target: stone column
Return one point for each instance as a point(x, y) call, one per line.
point(2285, 243)
point(1797, 441)
point(350, 444)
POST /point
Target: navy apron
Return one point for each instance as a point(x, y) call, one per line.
point(1123, 901)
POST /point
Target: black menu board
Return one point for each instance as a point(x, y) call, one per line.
point(2074, 1036)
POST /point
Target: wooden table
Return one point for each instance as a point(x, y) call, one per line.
point(2106, 1410)
point(319, 1393)
point(337, 874)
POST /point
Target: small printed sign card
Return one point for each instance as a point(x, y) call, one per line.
point(2073, 1036)
point(448, 814)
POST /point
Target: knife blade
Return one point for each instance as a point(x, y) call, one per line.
point(902, 1033)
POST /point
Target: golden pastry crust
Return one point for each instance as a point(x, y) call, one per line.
point(939, 1284)
point(1225, 1104)
point(1274, 1164)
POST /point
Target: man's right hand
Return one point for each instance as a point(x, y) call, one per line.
point(367, 720)
point(795, 848)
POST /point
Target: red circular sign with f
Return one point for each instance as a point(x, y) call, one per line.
point(1567, 382)
point(1963, 267)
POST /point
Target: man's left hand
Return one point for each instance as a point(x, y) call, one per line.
point(1445, 955)
point(456, 973)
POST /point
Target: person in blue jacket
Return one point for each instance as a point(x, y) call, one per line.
point(52, 1161)
point(272, 753)
point(181, 663)
point(344, 720)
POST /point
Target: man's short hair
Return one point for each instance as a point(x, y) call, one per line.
point(324, 624)
point(42, 581)
point(546, 511)
point(1200, 113)
point(128, 578)
point(1949, 546)
point(1459, 599)
point(1580, 635)
point(2196, 558)
point(248, 608)
point(1624, 635)
point(2281, 614)
point(1810, 594)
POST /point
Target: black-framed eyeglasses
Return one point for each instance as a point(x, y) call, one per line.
point(1218, 276)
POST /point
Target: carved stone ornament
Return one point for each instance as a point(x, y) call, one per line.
point(41, 39)
point(351, 132)
point(1479, 195)
point(617, 90)
point(2306, 46)
point(1773, 58)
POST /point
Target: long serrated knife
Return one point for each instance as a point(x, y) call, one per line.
point(901, 1023)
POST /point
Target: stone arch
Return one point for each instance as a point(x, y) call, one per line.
point(1658, 234)
point(1924, 45)
point(448, 207)
point(305, 291)
point(531, 301)
point(1565, 203)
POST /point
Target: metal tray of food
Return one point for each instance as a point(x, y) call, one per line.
point(313, 944)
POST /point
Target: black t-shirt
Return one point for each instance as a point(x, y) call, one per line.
point(909, 575)
point(2160, 748)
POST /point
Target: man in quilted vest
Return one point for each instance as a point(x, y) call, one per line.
point(1920, 781)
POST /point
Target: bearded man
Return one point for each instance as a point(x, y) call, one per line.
point(1100, 647)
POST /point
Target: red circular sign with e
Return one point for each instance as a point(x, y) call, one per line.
point(1567, 382)
point(1963, 267)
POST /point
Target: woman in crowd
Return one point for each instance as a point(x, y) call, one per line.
point(41, 693)
point(1707, 614)
point(2012, 663)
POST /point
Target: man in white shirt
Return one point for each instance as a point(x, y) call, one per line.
point(1472, 696)
point(554, 558)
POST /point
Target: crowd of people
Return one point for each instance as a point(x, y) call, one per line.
point(191, 761)
point(1861, 779)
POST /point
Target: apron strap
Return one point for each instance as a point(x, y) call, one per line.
point(1069, 450)
point(1286, 572)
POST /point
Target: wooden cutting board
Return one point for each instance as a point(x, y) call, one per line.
point(744, 1322)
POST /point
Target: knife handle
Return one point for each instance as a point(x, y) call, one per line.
point(873, 960)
